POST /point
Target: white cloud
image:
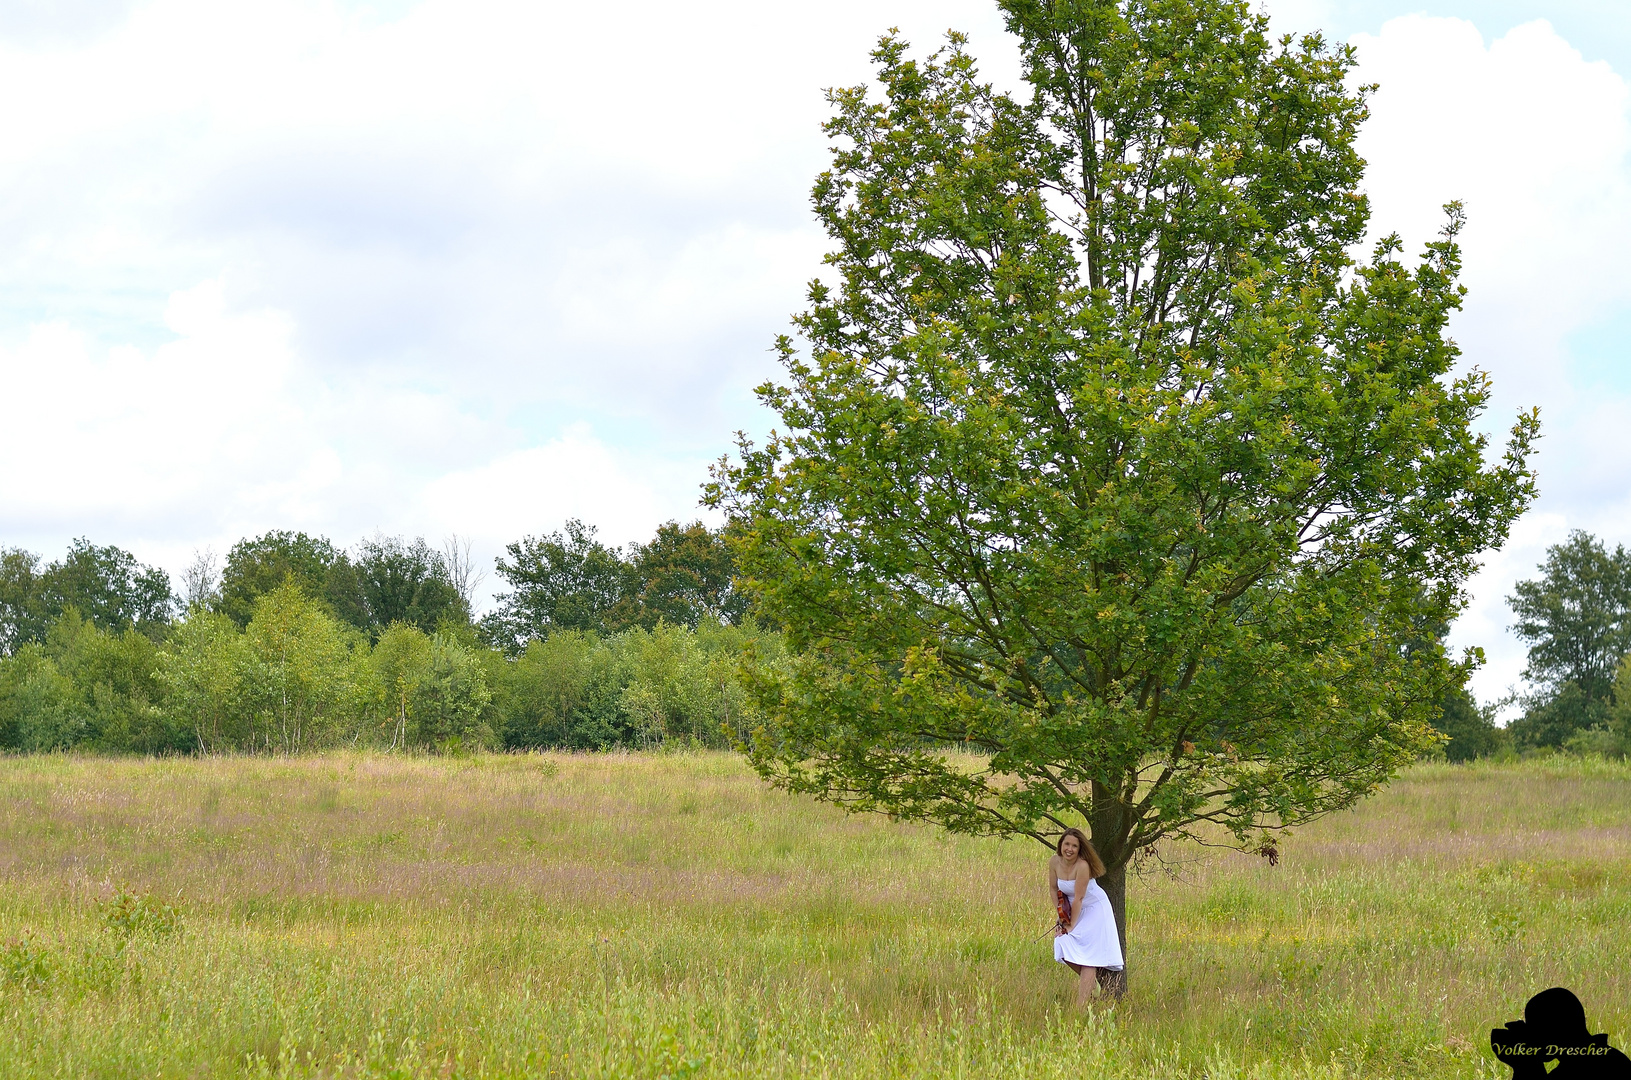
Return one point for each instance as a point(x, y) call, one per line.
point(225, 432)
point(492, 264)
point(1534, 140)
point(484, 236)
point(575, 475)
point(133, 433)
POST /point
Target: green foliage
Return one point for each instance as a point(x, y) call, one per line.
point(1564, 721)
point(1105, 462)
point(1577, 615)
point(108, 587)
point(570, 581)
point(566, 580)
point(452, 708)
point(270, 667)
point(105, 585)
point(682, 684)
point(22, 614)
point(1577, 619)
point(39, 706)
point(297, 677)
point(434, 690)
point(85, 686)
point(1603, 741)
point(562, 692)
point(670, 684)
point(684, 577)
point(24, 963)
point(389, 581)
point(128, 914)
point(1619, 714)
point(312, 563)
point(1554, 716)
point(203, 668)
point(1469, 731)
point(398, 582)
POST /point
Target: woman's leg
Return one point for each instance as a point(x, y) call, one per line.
point(1085, 986)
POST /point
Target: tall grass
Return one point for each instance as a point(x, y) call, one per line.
point(651, 916)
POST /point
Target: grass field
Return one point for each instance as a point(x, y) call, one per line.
point(667, 916)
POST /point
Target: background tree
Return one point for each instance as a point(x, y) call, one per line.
point(563, 692)
point(108, 587)
point(1576, 618)
point(450, 710)
point(1615, 737)
point(203, 670)
point(1105, 461)
point(566, 580)
point(462, 571)
point(22, 608)
point(86, 687)
point(259, 565)
point(407, 583)
point(201, 582)
point(684, 578)
point(1469, 731)
point(298, 680)
point(40, 708)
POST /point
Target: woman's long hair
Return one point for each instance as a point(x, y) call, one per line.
point(1084, 850)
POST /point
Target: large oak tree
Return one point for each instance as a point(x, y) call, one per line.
point(1103, 459)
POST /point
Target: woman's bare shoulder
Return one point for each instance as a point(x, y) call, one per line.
point(1057, 865)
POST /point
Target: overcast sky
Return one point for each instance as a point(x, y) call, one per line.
point(486, 265)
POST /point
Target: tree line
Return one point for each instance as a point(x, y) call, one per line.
point(297, 644)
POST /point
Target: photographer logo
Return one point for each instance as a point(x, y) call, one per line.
point(1553, 1029)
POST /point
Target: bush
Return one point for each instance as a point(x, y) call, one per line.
point(640, 688)
point(85, 686)
point(1470, 731)
point(298, 687)
point(433, 690)
point(38, 703)
point(1553, 718)
point(1602, 741)
point(202, 669)
point(298, 679)
point(562, 692)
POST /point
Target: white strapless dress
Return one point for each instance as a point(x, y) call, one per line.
point(1093, 943)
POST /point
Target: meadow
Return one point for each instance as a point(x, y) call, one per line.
point(666, 915)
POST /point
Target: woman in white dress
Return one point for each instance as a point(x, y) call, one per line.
point(1085, 936)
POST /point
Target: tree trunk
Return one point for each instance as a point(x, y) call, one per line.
point(1114, 884)
point(1110, 825)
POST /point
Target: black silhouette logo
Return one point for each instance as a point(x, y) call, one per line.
point(1553, 1028)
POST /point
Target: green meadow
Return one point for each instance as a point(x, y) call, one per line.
point(667, 915)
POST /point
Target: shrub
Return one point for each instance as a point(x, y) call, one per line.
point(298, 686)
point(202, 670)
point(433, 690)
point(39, 710)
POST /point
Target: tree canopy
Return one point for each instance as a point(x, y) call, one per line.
point(389, 580)
point(104, 584)
point(1102, 458)
point(256, 566)
point(568, 580)
point(1576, 618)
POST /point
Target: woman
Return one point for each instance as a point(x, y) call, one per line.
point(1085, 937)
